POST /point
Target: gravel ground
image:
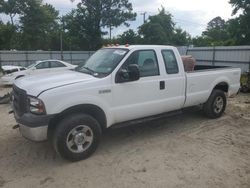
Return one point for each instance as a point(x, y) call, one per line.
point(187, 150)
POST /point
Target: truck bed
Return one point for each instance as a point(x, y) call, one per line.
point(208, 67)
point(201, 81)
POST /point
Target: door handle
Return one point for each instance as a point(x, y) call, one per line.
point(162, 85)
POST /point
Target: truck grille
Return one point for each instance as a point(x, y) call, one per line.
point(19, 100)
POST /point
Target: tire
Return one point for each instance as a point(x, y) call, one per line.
point(216, 104)
point(244, 89)
point(76, 137)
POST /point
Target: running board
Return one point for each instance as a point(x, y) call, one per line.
point(145, 119)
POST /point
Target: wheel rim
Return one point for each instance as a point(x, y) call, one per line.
point(79, 139)
point(218, 104)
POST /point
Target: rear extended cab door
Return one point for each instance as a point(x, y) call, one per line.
point(154, 93)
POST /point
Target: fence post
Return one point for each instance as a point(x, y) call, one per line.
point(50, 54)
point(26, 58)
point(187, 50)
point(71, 57)
point(0, 60)
point(213, 62)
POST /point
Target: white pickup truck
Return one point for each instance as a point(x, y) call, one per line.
point(117, 85)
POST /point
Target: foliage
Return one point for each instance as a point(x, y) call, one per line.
point(10, 8)
point(240, 5)
point(239, 27)
point(159, 29)
point(35, 25)
point(91, 16)
point(128, 37)
point(7, 32)
point(216, 33)
point(200, 41)
point(38, 22)
point(181, 38)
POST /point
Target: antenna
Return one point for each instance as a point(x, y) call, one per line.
point(144, 16)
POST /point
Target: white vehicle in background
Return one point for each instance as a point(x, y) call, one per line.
point(8, 69)
point(37, 68)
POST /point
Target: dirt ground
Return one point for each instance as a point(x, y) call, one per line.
point(187, 150)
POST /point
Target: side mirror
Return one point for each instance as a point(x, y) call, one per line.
point(130, 74)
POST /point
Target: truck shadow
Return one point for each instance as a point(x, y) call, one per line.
point(21, 153)
point(114, 138)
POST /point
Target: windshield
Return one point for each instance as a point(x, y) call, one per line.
point(32, 65)
point(103, 62)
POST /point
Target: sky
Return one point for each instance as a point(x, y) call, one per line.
point(190, 15)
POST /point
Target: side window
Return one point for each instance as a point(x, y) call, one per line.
point(56, 64)
point(43, 65)
point(170, 62)
point(146, 60)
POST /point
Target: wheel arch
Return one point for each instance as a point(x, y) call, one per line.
point(223, 86)
point(19, 76)
point(90, 109)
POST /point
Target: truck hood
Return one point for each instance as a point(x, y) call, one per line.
point(38, 83)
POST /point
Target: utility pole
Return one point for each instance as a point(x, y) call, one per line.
point(110, 35)
point(61, 44)
point(144, 16)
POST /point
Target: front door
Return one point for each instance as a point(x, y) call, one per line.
point(132, 100)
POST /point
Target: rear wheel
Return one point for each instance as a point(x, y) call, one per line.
point(216, 104)
point(77, 137)
point(244, 89)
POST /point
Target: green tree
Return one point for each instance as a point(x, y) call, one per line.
point(216, 32)
point(243, 5)
point(181, 38)
point(128, 37)
point(200, 41)
point(159, 29)
point(8, 36)
point(239, 27)
point(78, 37)
point(10, 8)
point(6, 33)
point(91, 16)
point(37, 22)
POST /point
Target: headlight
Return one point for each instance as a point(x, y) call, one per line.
point(36, 106)
point(9, 74)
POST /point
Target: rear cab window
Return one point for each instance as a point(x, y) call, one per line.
point(170, 62)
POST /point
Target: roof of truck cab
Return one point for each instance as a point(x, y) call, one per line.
point(130, 47)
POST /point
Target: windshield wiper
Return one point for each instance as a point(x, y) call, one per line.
point(90, 70)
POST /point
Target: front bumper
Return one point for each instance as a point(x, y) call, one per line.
point(34, 127)
point(7, 80)
point(37, 134)
point(233, 90)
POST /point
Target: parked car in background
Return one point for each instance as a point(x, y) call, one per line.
point(8, 69)
point(36, 68)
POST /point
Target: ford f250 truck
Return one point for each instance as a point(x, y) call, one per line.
point(117, 85)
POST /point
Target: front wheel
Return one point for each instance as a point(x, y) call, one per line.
point(76, 137)
point(216, 104)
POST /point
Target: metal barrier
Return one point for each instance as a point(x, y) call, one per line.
point(25, 58)
point(234, 56)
